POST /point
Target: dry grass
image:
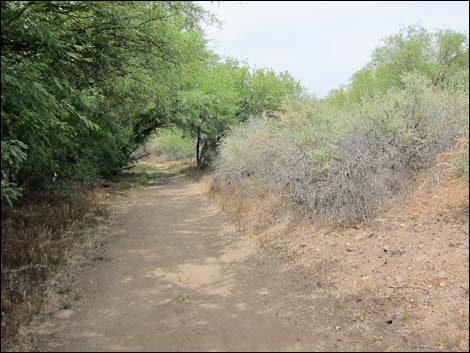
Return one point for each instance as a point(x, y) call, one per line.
point(38, 238)
point(46, 237)
point(252, 211)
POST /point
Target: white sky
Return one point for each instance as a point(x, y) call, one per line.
point(320, 43)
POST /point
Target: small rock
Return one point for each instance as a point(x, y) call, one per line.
point(393, 250)
point(64, 314)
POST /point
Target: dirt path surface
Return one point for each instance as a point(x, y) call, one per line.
point(175, 277)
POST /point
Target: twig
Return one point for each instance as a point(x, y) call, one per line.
point(411, 287)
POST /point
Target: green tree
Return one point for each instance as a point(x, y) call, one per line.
point(451, 56)
point(210, 103)
point(268, 89)
point(220, 94)
point(440, 56)
point(84, 82)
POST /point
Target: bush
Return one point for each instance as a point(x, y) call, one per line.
point(343, 163)
point(13, 156)
point(170, 145)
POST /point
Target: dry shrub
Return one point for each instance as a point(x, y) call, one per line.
point(456, 162)
point(38, 237)
point(251, 211)
point(343, 164)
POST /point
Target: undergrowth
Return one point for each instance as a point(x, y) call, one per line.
point(38, 237)
point(343, 163)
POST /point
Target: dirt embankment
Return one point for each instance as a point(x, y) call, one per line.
point(398, 282)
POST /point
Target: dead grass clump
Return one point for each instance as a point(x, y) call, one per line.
point(38, 237)
point(253, 211)
point(456, 162)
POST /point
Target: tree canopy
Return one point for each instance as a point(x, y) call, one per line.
point(441, 56)
point(84, 83)
point(220, 94)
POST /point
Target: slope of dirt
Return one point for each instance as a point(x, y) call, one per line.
point(399, 282)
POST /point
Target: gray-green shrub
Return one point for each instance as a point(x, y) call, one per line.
point(343, 162)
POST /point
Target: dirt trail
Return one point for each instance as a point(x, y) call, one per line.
point(175, 277)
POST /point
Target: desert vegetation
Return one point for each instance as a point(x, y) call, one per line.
point(89, 88)
point(341, 159)
point(84, 84)
point(365, 193)
point(343, 163)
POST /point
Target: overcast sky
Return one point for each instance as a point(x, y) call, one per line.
point(320, 43)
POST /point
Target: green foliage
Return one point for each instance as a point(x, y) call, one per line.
point(84, 83)
point(220, 94)
point(210, 101)
point(267, 90)
point(13, 156)
point(171, 145)
point(440, 56)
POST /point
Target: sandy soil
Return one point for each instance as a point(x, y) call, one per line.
point(398, 282)
point(177, 276)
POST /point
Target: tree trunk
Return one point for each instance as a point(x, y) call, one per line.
point(198, 152)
